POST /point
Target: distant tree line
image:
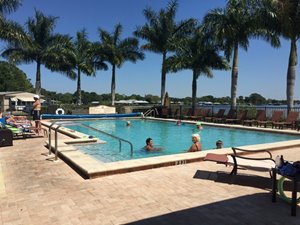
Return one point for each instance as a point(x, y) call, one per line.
point(105, 99)
point(14, 79)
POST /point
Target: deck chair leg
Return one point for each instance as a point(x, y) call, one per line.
point(235, 166)
point(234, 170)
point(271, 174)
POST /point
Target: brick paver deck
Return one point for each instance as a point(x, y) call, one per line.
point(36, 190)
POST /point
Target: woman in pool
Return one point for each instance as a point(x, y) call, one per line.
point(196, 146)
point(199, 126)
point(149, 145)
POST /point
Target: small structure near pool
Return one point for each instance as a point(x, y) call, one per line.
point(102, 109)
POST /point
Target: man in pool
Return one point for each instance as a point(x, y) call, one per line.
point(219, 144)
point(149, 145)
point(196, 146)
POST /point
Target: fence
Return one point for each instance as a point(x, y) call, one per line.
point(251, 109)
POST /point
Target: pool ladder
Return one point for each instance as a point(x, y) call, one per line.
point(153, 112)
point(66, 123)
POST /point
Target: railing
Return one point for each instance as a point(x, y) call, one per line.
point(66, 123)
point(112, 136)
point(153, 112)
point(268, 109)
point(181, 109)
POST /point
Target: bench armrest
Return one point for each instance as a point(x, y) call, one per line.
point(235, 154)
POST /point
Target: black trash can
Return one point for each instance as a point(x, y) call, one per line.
point(6, 137)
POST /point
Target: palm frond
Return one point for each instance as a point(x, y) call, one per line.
point(41, 27)
point(117, 33)
point(150, 15)
point(197, 53)
point(172, 9)
point(17, 55)
point(11, 31)
point(8, 6)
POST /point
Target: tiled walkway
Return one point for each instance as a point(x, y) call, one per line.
point(36, 190)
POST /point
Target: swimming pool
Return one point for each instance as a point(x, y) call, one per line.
point(173, 139)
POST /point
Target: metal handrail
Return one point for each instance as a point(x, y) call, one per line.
point(49, 137)
point(113, 136)
point(55, 137)
point(148, 112)
point(151, 111)
point(86, 126)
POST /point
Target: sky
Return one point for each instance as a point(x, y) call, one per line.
point(262, 69)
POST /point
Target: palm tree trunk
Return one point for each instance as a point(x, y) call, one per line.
point(291, 74)
point(194, 91)
point(38, 85)
point(163, 78)
point(78, 87)
point(113, 85)
point(234, 75)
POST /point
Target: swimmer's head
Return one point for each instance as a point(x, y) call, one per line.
point(197, 136)
point(219, 144)
point(148, 140)
point(199, 125)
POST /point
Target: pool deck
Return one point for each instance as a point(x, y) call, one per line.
point(36, 190)
point(89, 167)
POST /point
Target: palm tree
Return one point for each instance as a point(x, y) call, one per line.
point(234, 26)
point(199, 54)
point(42, 47)
point(82, 51)
point(162, 33)
point(283, 17)
point(116, 52)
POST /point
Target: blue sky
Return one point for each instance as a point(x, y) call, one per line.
point(262, 69)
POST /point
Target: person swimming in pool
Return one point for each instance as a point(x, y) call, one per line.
point(149, 145)
point(199, 126)
point(128, 123)
point(219, 144)
point(196, 146)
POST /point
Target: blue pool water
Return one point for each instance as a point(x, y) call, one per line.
point(171, 138)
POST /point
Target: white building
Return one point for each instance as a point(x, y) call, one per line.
point(15, 100)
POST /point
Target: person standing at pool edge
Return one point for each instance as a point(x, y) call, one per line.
point(36, 111)
point(196, 146)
